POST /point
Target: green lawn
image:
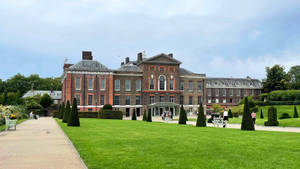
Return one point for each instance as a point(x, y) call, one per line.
point(2, 127)
point(137, 144)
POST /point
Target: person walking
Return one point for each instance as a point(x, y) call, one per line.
point(225, 118)
point(253, 115)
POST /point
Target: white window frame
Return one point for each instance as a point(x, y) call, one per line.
point(78, 87)
point(92, 83)
point(138, 85)
point(128, 84)
point(102, 80)
point(117, 85)
point(165, 83)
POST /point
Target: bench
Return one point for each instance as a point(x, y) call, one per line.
point(10, 123)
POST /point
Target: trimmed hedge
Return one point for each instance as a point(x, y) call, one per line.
point(261, 103)
point(272, 117)
point(285, 116)
point(88, 114)
point(110, 114)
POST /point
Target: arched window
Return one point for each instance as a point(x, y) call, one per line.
point(162, 81)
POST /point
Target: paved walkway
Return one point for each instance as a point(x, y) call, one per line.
point(235, 126)
point(38, 144)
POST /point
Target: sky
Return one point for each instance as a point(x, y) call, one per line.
point(221, 38)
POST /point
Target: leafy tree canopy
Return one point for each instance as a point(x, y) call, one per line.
point(277, 79)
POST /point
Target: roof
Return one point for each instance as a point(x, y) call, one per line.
point(185, 71)
point(246, 83)
point(89, 65)
point(55, 95)
point(130, 67)
point(155, 59)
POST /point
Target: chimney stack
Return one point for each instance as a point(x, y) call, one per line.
point(139, 57)
point(126, 60)
point(122, 63)
point(170, 55)
point(87, 55)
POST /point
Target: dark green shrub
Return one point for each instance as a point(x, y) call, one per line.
point(107, 107)
point(149, 117)
point(285, 116)
point(145, 116)
point(235, 114)
point(133, 115)
point(272, 117)
point(88, 114)
point(62, 111)
point(295, 112)
point(230, 115)
point(55, 114)
point(247, 123)
point(182, 116)
point(110, 114)
point(73, 115)
point(66, 113)
point(261, 114)
point(201, 121)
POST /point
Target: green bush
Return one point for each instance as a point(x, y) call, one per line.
point(62, 111)
point(88, 114)
point(66, 113)
point(149, 117)
point(295, 112)
point(107, 107)
point(272, 117)
point(230, 115)
point(110, 114)
point(247, 123)
point(285, 116)
point(73, 115)
point(145, 116)
point(55, 114)
point(235, 114)
point(273, 103)
point(201, 121)
point(261, 114)
point(182, 116)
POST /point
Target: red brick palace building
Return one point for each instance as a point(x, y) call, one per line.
point(153, 84)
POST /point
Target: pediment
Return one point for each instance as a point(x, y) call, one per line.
point(162, 59)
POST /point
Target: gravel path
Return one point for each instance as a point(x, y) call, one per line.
point(38, 144)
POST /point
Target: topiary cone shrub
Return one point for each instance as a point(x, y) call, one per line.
point(182, 116)
point(66, 112)
point(133, 115)
point(62, 111)
point(201, 121)
point(73, 115)
point(247, 123)
point(149, 117)
point(230, 115)
point(261, 114)
point(272, 117)
point(145, 115)
point(295, 112)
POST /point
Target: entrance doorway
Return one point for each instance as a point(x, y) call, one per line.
point(127, 112)
point(138, 111)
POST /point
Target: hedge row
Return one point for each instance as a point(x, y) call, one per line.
point(89, 114)
point(110, 114)
point(281, 95)
point(262, 103)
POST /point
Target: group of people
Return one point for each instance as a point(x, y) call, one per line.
point(225, 117)
point(167, 114)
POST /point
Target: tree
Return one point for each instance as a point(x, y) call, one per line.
point(295, 112)
point(73, 115)
point(145, 116)
point(261, 114)
point(182, 116)
point(272, 117)
point(201, 121)
point(230, 115)
point(295, 74)
point(277, 79)
point(133, 115)
point(247, 123)
point(46, 100)
point(66, 112)
point(58, 112)
point(62, 111)
point(217, 108)
point(149, 117)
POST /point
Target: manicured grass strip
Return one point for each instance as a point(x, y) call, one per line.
point(2, 127)
point(137, 144)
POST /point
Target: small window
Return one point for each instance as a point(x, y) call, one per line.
point(127, 100)
point(224, 92)
point(117, 100)
point(102, 100)
point(238, 92)
point(152, 99)
point(231, 92)
point(161, 99)
point(181, 85)
point(199, 87)
point(127, 85)
point(78, 99)
point(190, 100)
point(171, 84)
point(102, 84)
point(162, 81)
point(190, 86)
point(117, 85)
point(208, 92)
point(90, 99)
point(138, 100)
point(199, 99)
point(138, 85)
point(172, 99)
point(90, 83)
point(217, 92)
point(151, 84)
point(78, 83)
